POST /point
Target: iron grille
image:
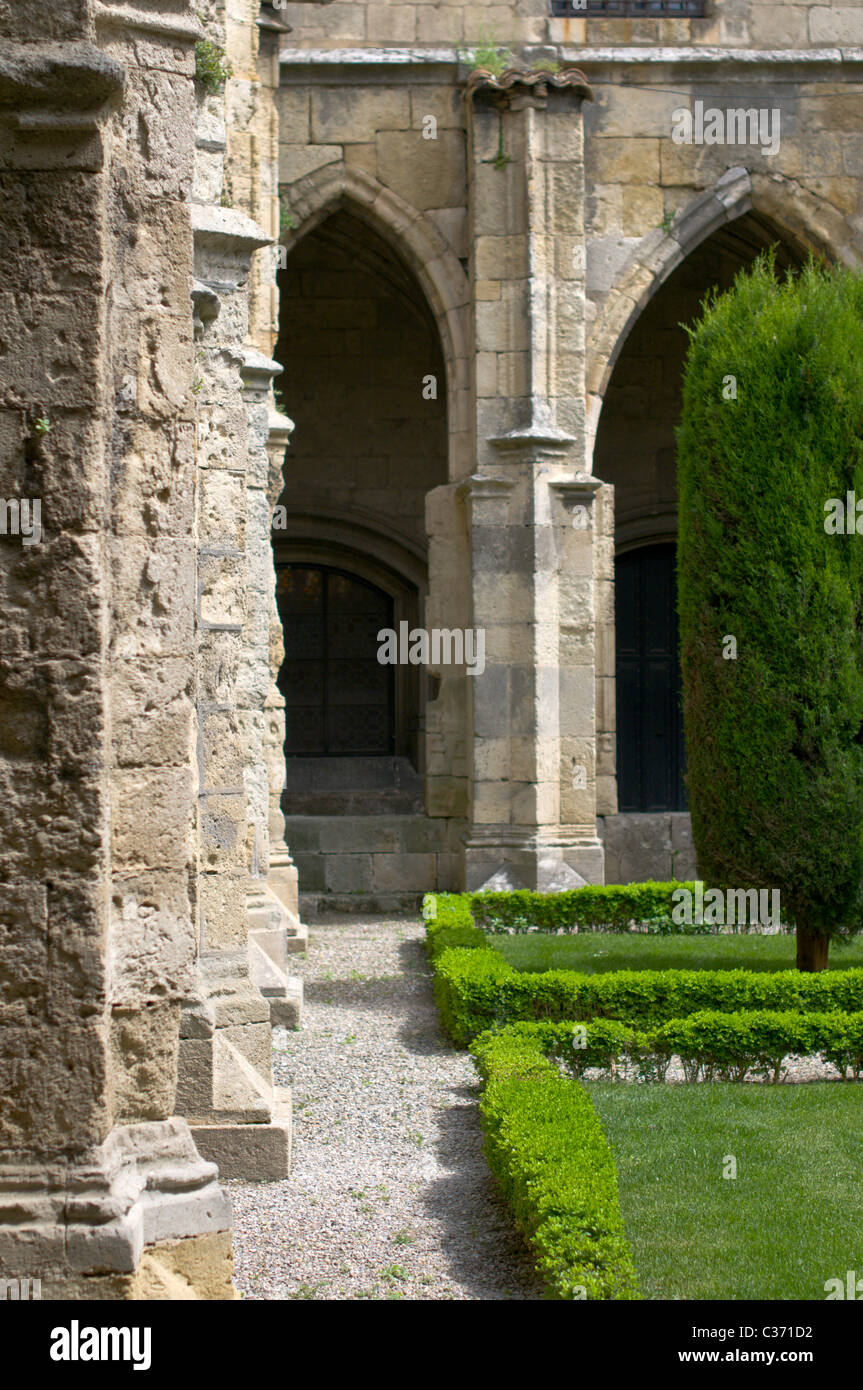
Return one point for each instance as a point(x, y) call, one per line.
point(338, 697)
point(630, 9)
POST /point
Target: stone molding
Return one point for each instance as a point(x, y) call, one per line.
point(144, 1184)
point(521, 87)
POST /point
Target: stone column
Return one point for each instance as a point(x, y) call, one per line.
point(225, 1084)
point(282, 879)
point(102, 1191)
point(530, 504)
point(273, 927)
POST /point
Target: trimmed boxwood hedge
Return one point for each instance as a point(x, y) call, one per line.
point(545, 1146)
point(476, 988)
point(611, 906)
point(711, 1044)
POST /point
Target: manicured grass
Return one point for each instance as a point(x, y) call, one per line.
point(789, 1221)
point(598, 952)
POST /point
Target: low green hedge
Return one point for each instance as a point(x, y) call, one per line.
point(612, 906)
point(712, 1045)
point(546, 1148)
point(476, 988)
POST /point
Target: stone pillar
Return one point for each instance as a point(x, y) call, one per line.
point(282, 879)
point(273, 926)
point(225, 1086)
point(531, 505)
point(102, 1191)
point(253, 40)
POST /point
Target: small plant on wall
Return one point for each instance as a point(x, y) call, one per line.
point(212, 68)
point(490, 55)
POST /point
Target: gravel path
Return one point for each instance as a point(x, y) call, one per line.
point(390, 1195)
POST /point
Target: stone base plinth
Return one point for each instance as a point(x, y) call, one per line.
point(141, 1216)
point(251, 1152)
point(502, 860)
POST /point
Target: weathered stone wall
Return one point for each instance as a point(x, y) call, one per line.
point(54, 708)
point(743, 23)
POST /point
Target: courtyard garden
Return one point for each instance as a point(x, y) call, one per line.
point(669, 1112)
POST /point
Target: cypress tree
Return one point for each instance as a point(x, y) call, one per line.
point(770, 595)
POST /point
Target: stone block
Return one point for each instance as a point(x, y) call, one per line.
point(356, 115)
point(151, 818)
point(637, 846)
point(404, 872)
point(250, 1153)
point(347, 873)
point(427, 173)
point(296, 161)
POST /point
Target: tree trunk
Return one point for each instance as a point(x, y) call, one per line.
point(811, 950)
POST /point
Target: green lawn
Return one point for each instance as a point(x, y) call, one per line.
point(789, 1221)
point(594, 952)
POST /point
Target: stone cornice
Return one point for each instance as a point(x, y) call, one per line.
point(631, 56)
point(369, 57)
point(726, 58)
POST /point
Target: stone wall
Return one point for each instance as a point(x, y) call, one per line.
point(743, 23)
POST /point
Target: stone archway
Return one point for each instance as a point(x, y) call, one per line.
point(367, 363)
point(422, 247)
point(647, 832)
point(802, 221)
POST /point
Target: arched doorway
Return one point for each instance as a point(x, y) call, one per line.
point(365, 383)
point(648, 836)
point(650, 750)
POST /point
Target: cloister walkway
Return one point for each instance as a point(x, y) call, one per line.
point(390, 1195)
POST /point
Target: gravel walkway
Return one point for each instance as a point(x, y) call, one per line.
point(390, 1195)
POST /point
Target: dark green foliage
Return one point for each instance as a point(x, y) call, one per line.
point(774, 738)
point(546, 1148)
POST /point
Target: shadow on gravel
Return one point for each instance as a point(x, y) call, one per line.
point(484, 1251)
